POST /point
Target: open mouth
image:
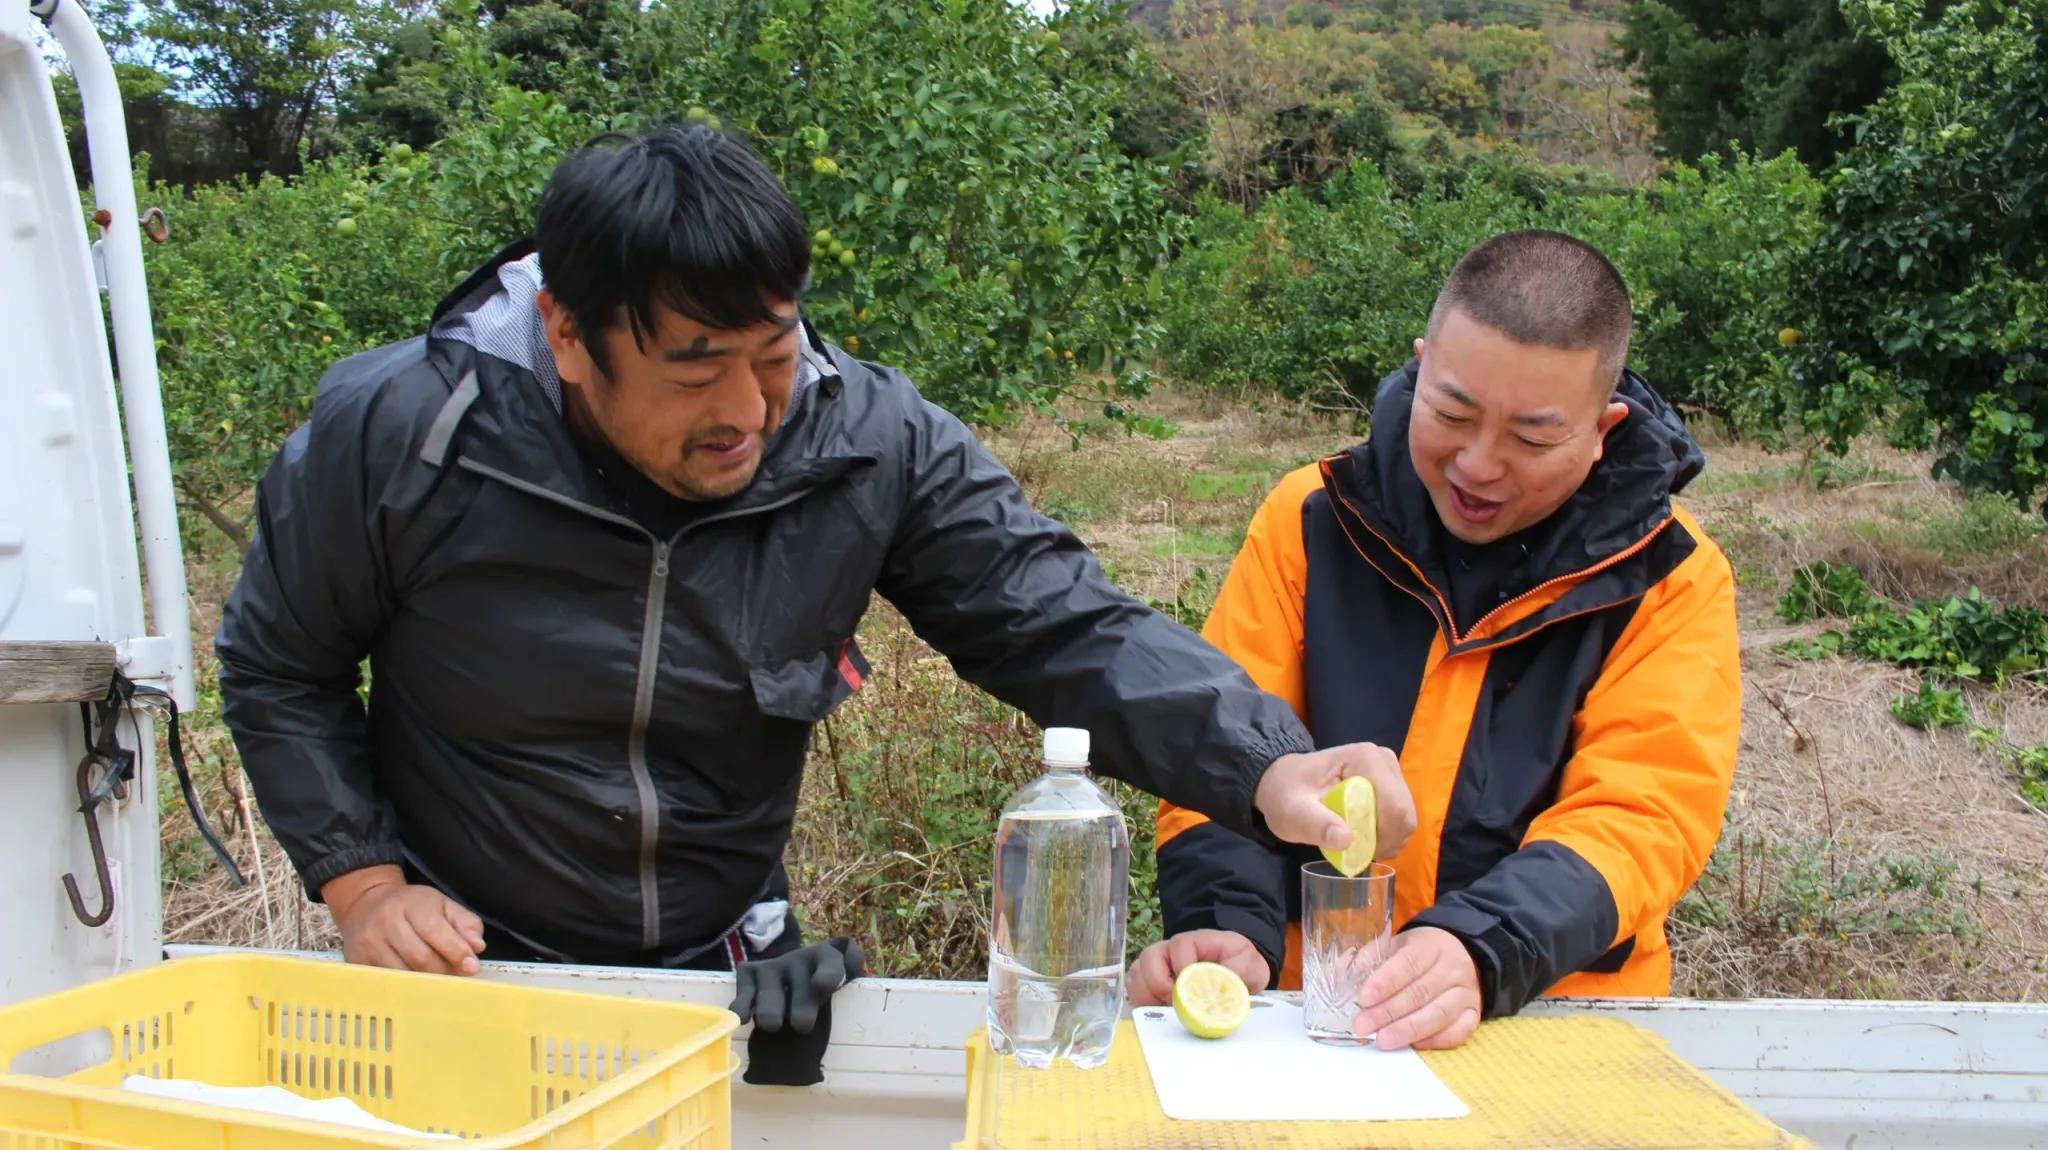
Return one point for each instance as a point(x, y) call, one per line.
point(727, 450)
point(1471, 508)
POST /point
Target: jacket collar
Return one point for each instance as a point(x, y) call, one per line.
point(511, 428)
point(1624, 502)
point(478, 283)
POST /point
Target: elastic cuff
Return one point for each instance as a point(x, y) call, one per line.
point(1478, 931)
point(1252, 770)
point(333, 866)
point(1274, 965)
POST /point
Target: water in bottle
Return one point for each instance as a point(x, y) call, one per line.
point(1056, 958)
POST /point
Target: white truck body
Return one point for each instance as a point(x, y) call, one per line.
point(70, 567)
point(1844, 1074)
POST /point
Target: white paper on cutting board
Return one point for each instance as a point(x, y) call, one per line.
point(1270, 1070)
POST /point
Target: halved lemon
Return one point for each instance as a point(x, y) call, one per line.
point(1210, 999)
point(1358, 805)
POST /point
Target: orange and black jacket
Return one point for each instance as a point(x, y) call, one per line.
point(1570, 751)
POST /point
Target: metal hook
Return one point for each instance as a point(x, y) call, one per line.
point(99, 853)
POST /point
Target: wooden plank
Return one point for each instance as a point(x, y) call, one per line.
point(48, 671)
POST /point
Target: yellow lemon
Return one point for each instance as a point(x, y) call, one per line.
point(1210, 999)
point(1357, 804)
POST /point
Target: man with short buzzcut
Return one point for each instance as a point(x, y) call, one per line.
point(1498, 584)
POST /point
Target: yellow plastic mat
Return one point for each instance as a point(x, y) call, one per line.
point(1578, 1083)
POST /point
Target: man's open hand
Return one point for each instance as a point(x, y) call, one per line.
point(1290, 795)
point(1151, 980)
point(386, 921)
point(1425, 996)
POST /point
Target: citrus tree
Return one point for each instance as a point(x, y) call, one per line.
point(1930, 281)
point(1712, 256)
point(261, 285)
point(975, 222)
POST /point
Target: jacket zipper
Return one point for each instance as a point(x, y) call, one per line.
point(636, 748)
point(1450, 624)
point(644, 682)
point(643, 694)
point(1450, 620)
point(1595, 569)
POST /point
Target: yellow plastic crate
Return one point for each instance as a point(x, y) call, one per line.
point(1572, 1083)
point(504, 1066)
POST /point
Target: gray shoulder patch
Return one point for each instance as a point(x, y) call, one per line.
point(442, 433)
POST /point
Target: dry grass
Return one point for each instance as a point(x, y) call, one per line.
point(895, 825)
point(1862, 858)
point(199, 905)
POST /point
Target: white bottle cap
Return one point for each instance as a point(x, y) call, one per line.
point(1066, 745)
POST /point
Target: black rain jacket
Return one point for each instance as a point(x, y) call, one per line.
point(592, 735)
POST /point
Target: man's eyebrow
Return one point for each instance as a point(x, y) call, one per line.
point(1457, 395)
point(787, 325)
point(700, 347)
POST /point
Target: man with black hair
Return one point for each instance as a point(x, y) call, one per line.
point(604, 534)
point(1498, 583)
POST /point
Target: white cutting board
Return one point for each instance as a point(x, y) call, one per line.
point(1269, 1070)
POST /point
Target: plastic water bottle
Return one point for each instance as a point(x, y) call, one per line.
point(1056, 955)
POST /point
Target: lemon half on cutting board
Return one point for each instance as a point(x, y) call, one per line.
point(1210, 999)
point(1357, 804)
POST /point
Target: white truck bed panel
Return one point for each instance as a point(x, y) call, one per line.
point(69, 567)
point(1844, 1074)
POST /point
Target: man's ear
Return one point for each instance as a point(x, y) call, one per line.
point(1418, 347)
point(1609, 420)
point(572, 357)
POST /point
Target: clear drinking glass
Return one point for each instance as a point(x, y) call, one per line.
point(1347, 931)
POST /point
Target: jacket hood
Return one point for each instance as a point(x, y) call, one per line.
point(493, 311)
point(1649, 458)
point(492, 314)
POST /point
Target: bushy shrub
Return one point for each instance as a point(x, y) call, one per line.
point(1930, 282)
point(1319, 290)
point(976, 225)
point(260, 287)
point(1711, 255)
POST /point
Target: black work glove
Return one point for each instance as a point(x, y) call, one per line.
point(789, 1000)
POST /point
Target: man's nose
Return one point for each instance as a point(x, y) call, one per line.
point(1480, 464)
point(743, 403)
